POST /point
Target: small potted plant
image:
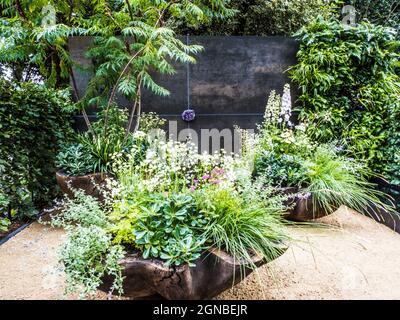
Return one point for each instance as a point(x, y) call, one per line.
point(77, 171)
point(87, 163)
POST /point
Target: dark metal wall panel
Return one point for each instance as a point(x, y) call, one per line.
point(229, 84)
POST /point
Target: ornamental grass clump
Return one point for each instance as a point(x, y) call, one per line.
point(336, 180)
point(242, 225)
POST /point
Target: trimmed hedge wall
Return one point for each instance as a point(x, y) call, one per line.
point(33, 123)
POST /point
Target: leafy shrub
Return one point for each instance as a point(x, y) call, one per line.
point(265, 18)
point(285, 17)
point(392, 156)
point(392, 149)
point(4, 221)
point(278, 171)
point(75, 160)
point(349, 88)
point(169, 228)
point(34, 122)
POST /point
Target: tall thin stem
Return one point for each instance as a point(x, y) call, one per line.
point(137, 100)
point(20, 10)
point(139, 109)
point(76, 92)
point(114, 90)
point(129, 9)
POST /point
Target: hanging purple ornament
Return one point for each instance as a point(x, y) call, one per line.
point(188, 115)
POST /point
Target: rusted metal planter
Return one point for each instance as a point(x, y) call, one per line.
point(90, 183)
point(215, 272)
point(304, 207)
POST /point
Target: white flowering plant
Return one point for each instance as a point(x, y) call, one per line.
point(280, 145)
point(176, 203)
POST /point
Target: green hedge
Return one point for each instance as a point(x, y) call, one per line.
point(266, 18)
point(33, 123)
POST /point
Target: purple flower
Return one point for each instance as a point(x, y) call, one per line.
point(206, 177)
point(188, 115)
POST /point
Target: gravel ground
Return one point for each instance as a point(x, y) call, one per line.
point(352, 257)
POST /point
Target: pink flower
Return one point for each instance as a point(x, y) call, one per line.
point(215, 181)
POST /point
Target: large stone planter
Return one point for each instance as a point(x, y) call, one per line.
point(304, 207)
point(215, 272)
point(90, 183)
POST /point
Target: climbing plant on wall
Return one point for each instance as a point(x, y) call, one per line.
point(349, 88)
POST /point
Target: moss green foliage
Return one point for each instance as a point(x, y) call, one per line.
point(265, 18)
point(349, 89)
point(34, 122)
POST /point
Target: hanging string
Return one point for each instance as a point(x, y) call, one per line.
point(188, 115)
point(188, 76)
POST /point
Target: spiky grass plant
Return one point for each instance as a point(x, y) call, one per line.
point(243, 225)
point(335, 180)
